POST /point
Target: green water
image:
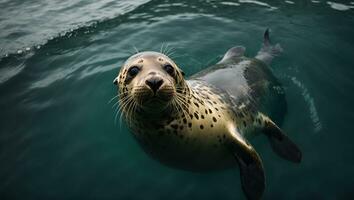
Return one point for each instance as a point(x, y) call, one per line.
point(58, 138)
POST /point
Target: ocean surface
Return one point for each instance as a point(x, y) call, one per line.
point(58, 135)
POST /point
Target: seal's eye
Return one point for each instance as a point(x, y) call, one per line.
point(133, 71)
point(169, 69)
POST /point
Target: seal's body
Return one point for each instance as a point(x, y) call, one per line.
point(203, 123)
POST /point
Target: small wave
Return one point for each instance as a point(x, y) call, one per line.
point(60, 20)
point(53, 77)
point(229, 3)
point(258, 3)
point(8, 72)
point(311, 103)
point(97, 70)
point(339, 6)
point(172, 5)
point(289, 2)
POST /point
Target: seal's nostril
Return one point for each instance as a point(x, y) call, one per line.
point(154, 83)
point(159, 83)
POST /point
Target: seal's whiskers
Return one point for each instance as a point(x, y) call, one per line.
point(110, 101)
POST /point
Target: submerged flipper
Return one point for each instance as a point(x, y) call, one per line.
point(234, 52)
point(251, 167)
point(281, 143)
point(268, 51)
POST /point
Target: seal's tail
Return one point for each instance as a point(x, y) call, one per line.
point(268, 51)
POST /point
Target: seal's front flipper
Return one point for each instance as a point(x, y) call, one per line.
point(251, 168)
point(281, 143)
point(234, 52)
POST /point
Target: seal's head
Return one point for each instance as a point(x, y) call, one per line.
point(150, 80)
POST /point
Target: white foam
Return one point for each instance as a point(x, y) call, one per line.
point(315, 1)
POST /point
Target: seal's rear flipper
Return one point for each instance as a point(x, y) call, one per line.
point(281, 143)
point(251, 167)
point(268, 51)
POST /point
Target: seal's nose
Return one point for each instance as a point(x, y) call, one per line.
point(154, 83)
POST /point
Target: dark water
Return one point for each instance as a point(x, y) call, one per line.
point(58, 139)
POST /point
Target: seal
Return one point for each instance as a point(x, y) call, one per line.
point(204, 123)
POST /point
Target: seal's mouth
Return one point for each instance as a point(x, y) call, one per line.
point(158, 99)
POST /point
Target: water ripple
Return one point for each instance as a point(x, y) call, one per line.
point(311, 103)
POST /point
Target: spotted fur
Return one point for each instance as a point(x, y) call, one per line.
point(192, 136)
point(195, 125)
